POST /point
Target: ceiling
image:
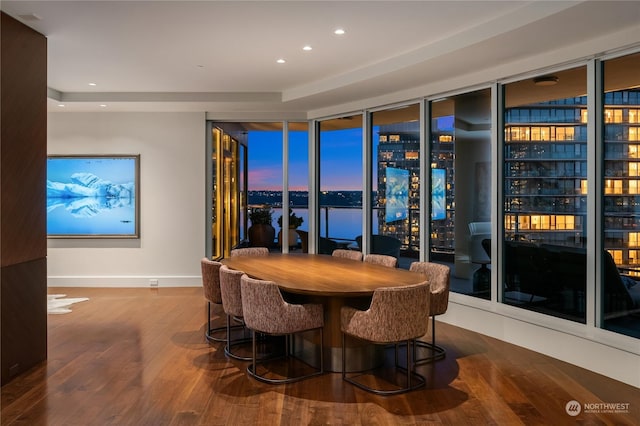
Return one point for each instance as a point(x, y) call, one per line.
point(220, 56)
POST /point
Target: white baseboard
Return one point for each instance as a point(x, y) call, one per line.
point(124, 281)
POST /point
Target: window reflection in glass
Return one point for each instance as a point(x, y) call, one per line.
point(620, 296)
point(396, 183)
point(545, 172)
point(460, 203)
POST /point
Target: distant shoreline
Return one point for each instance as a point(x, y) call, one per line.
point(301, 198)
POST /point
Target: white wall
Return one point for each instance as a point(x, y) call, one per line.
point(172, 200)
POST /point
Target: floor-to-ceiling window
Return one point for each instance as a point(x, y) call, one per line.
point(545, 194)
point(298, 182)
point(340, 170)
point(620, 290)
point(395, 170)
point(460, 145)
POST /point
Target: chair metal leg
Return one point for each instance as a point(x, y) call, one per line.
point(414, 380)
point(344, 368)
point(209, 332)
point(437, 352)
point(253, 372)
point(231, 343)
point(409, 367)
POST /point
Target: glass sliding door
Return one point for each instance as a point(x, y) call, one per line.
point(620, 290)
point(395, 168)
point(340, 198)
point(545, 194)
point(461, 190)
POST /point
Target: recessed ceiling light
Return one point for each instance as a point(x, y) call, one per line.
point(61, 105)
point(339, 31)
point(307, 47)
point(30, 17)
point(103, 106)
point(92, 84)
point(281, 61)
point(546, 80)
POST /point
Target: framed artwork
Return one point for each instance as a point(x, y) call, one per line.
point(93, 196)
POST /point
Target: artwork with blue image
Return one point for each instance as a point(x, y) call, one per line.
point(93, 196)
point(397, 193)
point(438, 199)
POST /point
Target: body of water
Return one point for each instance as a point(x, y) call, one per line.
point(344, 223)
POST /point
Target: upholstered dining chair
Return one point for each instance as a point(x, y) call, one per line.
point(347, 254)
point(381, 259)
point(440, 279)
point(250, 251)
point(265, 311)
point(232, 305)
point(211, 286)
point(396, 315)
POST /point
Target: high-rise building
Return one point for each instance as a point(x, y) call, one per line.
point(399, 150)
point(546, 173)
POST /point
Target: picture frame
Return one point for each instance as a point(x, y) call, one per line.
point(93, 196)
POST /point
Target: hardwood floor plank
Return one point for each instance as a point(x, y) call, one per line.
point(139, 357)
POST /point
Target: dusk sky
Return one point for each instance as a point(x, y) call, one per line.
point(341, 164)
point(340, 158)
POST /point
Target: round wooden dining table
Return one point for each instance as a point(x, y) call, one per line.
point(332, 282)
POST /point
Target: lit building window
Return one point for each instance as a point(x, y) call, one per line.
point(411, 155)
point(565, 133)
point(617, 256)
point(583, 116)
point(612, 186)
point(613, 115)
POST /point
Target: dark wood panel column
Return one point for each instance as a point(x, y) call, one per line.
point(23, 238)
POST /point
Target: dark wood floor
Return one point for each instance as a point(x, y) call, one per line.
point(138, 357)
